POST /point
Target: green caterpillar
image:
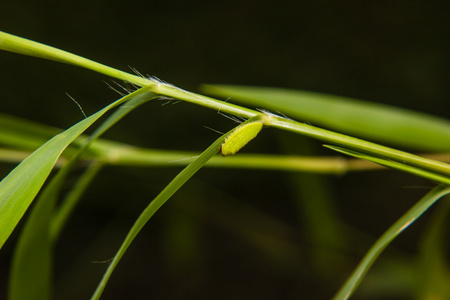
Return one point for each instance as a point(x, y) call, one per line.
point(240, 137)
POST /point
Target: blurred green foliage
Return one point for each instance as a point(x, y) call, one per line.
point(394, 53)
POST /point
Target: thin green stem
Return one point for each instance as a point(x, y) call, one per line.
point(154, 205)
point(20, 45)
point(361, 145)
point(221, 106)
point(308, 130)
point(138, 157)
point(12, 43)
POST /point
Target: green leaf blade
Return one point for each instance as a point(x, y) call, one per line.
point(32, 262)
point(398, 227)
point(19, 188)
point(394, 165)
point(162, 198)
point(12, 43)
point(365, 119)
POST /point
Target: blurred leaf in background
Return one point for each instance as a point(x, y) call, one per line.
point(393, 53)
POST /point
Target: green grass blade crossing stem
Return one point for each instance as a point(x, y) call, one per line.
point(154, 205)
point(30, 273)
point(18, 189)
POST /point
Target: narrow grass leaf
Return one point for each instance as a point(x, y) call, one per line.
point(30, 274)
point(12, 43)
point(384, 123)
point(165, 194)
point(398, 227)
point(72, 198)
point(18, 189)
point(394, 165)
point(32, 264)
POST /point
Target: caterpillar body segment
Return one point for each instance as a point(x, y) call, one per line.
point(240, 137)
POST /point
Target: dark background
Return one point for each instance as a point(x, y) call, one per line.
point(393, 52)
